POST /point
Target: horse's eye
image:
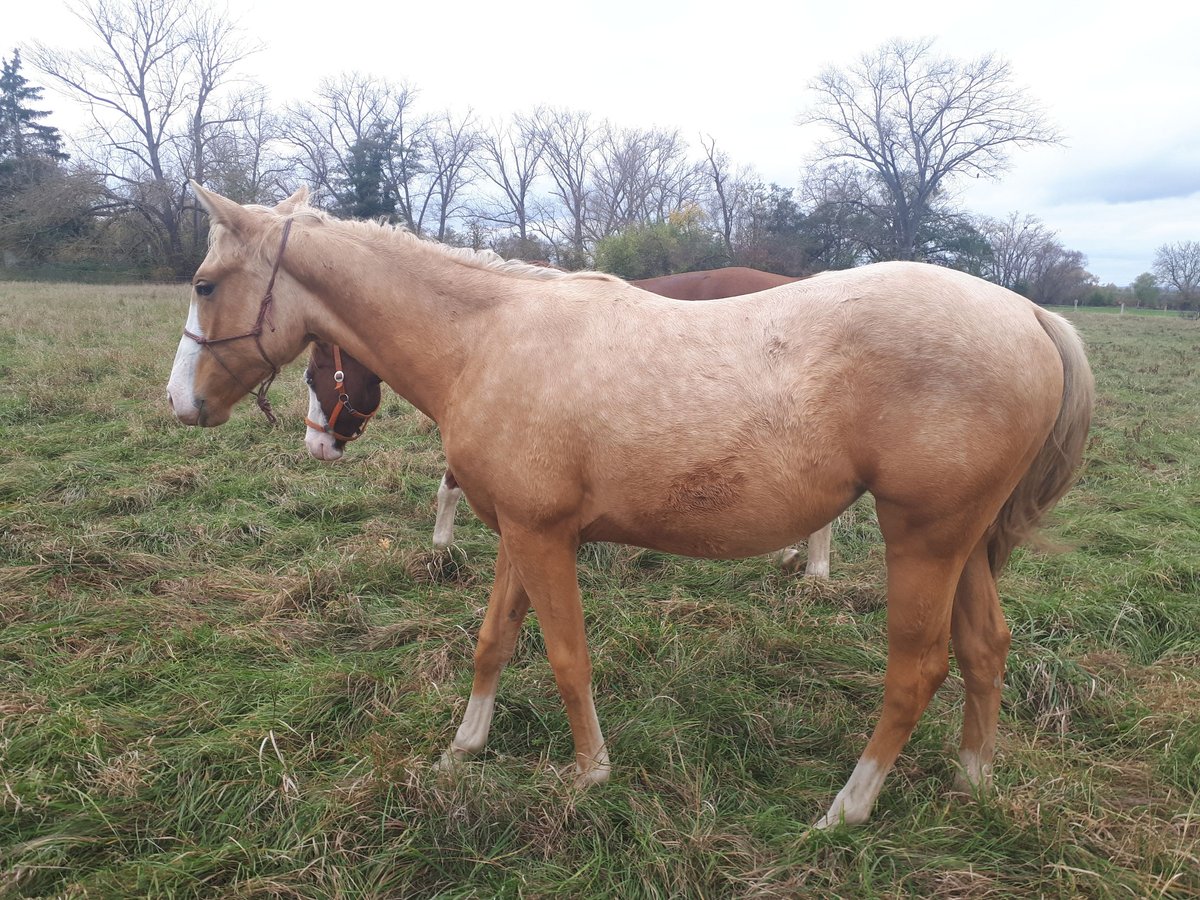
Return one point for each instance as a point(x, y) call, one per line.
point(205, 288)
point(308, 377)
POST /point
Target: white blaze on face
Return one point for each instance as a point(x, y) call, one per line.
point(320, 444)
point(181, 390)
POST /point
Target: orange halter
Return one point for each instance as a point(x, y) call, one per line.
point(343, 404)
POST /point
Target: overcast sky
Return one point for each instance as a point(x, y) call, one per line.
point(1121, 80)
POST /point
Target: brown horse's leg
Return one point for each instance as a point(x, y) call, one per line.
point(981, 639)
point(497, 638)
point(546, 562)
point(923, 569)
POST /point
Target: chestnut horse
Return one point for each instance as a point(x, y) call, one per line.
point(576, 407)
point(344, 387)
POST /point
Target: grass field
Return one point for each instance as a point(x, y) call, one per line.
point(225, 669)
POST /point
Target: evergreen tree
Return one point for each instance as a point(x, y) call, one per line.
point(26, 145)
point(364, 191)
point(42, 207)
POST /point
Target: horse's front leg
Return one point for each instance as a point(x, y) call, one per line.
point(506, 611)
point(546, 562)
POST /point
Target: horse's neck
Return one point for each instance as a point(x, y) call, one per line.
point(411, 318)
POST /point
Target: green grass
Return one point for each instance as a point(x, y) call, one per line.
point(226, 669)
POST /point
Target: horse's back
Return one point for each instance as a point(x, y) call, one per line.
point(713, 284)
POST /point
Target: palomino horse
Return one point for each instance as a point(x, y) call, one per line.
point(575, 408)
point(345, 384)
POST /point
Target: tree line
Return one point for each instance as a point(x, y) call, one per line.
point(166, 100)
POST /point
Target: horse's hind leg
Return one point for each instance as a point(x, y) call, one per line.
point(448, 495)
point(923, 568)
point(981, 640)
point(506, 611)
point(819, 546)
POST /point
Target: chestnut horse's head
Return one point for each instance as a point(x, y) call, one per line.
point(343, 395)
point(240, 328)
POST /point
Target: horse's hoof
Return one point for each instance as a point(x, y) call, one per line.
point(789, 560)
point(592, 776)
point(971, 778)
point(829, 820)
point(450, 763)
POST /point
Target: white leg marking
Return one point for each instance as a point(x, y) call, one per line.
point(472, 734)
point(819, 545)
point(477, 722)
point(598, 768)
point(181, 388)
point(447, 503)
point(853, 803)
point(320, 444)
point(975, 774)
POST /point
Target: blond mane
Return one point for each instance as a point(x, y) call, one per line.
point(367, 231)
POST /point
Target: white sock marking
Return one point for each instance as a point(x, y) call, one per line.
point(472, 734)
point(819, 545)
point(853, 802)
point(447, 503)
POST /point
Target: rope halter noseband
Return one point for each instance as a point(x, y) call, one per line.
point(264, 317)
point(343, 404)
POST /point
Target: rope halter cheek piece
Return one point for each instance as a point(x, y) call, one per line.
point(264, 317)
point(343, 405)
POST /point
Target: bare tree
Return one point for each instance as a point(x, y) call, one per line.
point(1178, 265)
point(727, 191)
point(1058, 276)
point(913, 123)
point(570, 157)
point(1017, 242)
point(452, 147)
point(153, 87)
point(640, 176)
point(358, 143)
point(843, 222)
point(511, 159)
point(243, 158)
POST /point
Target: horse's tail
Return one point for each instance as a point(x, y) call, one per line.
point(1054, 468)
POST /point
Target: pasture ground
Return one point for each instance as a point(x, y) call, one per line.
point(225, 669)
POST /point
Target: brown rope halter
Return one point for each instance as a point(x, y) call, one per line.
point(264, 316)
point(343, 405)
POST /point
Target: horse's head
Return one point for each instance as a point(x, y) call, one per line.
point(343, 395)
point(244, 322)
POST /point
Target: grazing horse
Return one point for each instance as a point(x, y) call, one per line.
point(359, 388)
point(576, 407)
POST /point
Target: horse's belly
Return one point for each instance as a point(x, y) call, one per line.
point(730, 533)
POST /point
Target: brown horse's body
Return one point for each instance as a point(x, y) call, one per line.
point(362, 387)
point(577, 407)
point(712, 284)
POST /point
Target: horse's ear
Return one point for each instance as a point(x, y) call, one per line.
point(294, 202)
point(221, 209)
